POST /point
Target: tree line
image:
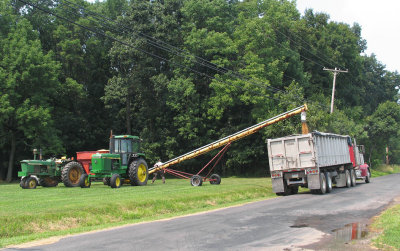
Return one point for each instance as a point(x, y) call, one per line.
point(181, 74)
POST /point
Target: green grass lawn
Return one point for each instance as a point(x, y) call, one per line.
point(389, 223)
point(27, 215)
point(384, 170)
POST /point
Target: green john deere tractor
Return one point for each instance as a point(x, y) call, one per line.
point(124, 163)
point(48, 173)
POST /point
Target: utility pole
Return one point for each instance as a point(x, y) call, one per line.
point(335, 72)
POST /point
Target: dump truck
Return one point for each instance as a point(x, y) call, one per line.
point(316, 161)
point(49, 172)
point(124, 163)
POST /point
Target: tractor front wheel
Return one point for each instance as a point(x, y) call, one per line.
point(138, 172)
point(115, 181)
point(48, 182)
point(31, 183)
point(71, 173)
point(84, 181)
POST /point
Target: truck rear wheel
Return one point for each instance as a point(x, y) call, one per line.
point(286, 190)
point(328, 179)
point(348, 178)
point(353, 177)
point(322, 179)
point(138, 172)
point(71, 173)
point(294, 190)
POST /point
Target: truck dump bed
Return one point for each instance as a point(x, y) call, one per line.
point(311, 150)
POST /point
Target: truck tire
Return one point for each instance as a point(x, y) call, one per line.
point(368, 177)
point(353, 178)
point(31, 183)
point(294, 190)
point(71, 173)
point(286, 190)
point(84, 181)
point(215, 179)
point(348, 179)
point(115, 181)
point(138, 172)
point(322, 180)
point(196, 181)
point(328, 179)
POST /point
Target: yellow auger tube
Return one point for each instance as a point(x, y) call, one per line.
point(236, 136)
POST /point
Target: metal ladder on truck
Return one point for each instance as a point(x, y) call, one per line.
point(196, 180)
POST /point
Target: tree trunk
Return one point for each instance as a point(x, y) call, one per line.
point(128, 115)
point(387, 155)
point(11, 159)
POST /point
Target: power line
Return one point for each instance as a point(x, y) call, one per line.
point(136, 48)
point(172, 49)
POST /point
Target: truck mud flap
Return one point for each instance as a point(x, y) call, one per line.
point(313, 181)
point(277, 185)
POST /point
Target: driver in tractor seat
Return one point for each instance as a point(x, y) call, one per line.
point(159, 172)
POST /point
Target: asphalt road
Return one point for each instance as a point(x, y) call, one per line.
point(290, 223)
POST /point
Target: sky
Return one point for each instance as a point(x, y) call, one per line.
point(379, 20)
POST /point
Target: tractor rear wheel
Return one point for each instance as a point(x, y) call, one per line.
point(71, 173)
point(138, 172)
point(115, 181)
point(48, 182)
point(84, 181)
point(196, 181)
point(31, 183)
point(215, 179)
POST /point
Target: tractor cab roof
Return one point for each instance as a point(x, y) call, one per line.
point(126, 137)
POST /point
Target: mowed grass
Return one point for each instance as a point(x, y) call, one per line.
point(27, 215)
point(389, 223)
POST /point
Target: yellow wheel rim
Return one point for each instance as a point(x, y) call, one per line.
point(32, 184)
point(117, 182)
point(87, 181)
point(142, 174)
point(74, 175)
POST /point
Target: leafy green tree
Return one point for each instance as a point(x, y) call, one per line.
point(383, 128)
point(29, 80)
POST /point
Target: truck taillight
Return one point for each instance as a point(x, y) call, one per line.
point(277, 174)
point(312, 171)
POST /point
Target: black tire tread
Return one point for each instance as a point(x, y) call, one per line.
point(65, 172)
point(133, 171)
